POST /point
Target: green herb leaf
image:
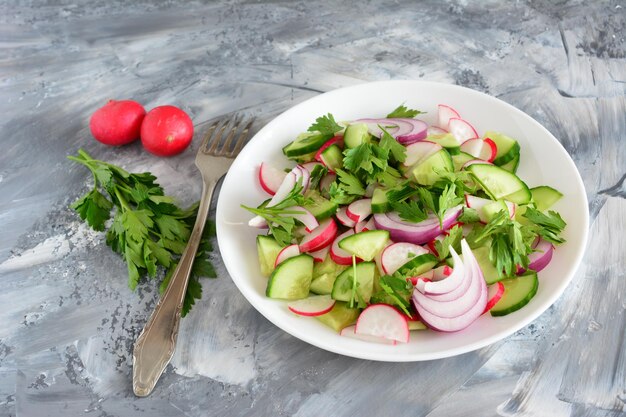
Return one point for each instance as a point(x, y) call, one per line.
point(548, 226)
point(94, 208)
point(447, 200)
point(403, 112)
point(390, 144)
point(396, 291)
point(409, 210)
point(326, 125)
point(453, 238)
point(469, 215)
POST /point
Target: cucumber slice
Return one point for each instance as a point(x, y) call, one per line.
point(323, 284)
point(419, 264)
point(490, 273)
point(365, 271)
point(365, 245)
point(305, 143)
point(545, 197)
point(517, 293)
point(491, 209)
point(426, 172)
point(291, 279)
point(356, 134)
point(448, 141)
point(320, 207)
point(500, 184)
point(267, 249)
point(460, 159)
point(380, 203)
point(508, 148)
point(332, 157)
point(340, 316)
point(416, 325)
point(512, 165)
point(324, 267)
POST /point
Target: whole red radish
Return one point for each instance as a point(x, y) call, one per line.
point(166, 131)
point(118, 122)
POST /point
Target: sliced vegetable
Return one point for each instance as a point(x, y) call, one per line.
point(270, 178)
point(322, 236)
point(365, 245)
point(286, 253)
point(315, 305)
point(291, 279)
point(462, 130)
point(517, 293)
point(382, 320)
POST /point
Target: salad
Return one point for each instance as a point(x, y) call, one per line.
point(382, 226)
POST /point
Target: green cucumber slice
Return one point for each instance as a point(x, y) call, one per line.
point(460, 159)
point(291, 279)
point(500, 184)
point(508, 148)
point(426, 173)
point(512, 165)
point(365, 245)
point(491, 209)
point(517, 293)
point(319, 206)
point(380, 202)
point(490, 273)
point(305, 143)
point(448, 141)
point(323, 284)
point(418, 265)
point(365, 272)
point(340, 316)
point(332, 157)
point(416, 325)
point(267, 249)
point(545, 197)
point(356, 134)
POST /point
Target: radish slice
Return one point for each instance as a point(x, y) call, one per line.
point(475, 161)
point(415, 280)
point(338, 255)
point(310, 166)
point(445, 114)
point(441, 272)
point(477, 203)
point(315, 305)
point(494, 293)
point(283, 191)
point(481, 149)
point(343, 218)
point(320, 255)
point(359, 210)
point(369, 190)
point(462, 130)
point(349, 332)
point(286, 253)
point(397, 254)
point(305, 217)
point(434, 130)
point(360, 226)
point(305, 175)
point(335, 140)
point(326, 181)
point(418, 233)
point(419, 132)
point(322, 236)
point(382, 320)
point(417, 153)
point(270, 178)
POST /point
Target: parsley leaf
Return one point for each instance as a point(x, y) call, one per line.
point(325, 125)
point(548, 226)
point(403, 112)
point(453, 238)
point(367, 161)
point(390, 144)
point(469, 215)
point(447, 200)
point(148, 230)
point(346, 188)
point(395, 291)
point(409, 210)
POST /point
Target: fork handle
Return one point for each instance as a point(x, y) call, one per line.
point(156, 344)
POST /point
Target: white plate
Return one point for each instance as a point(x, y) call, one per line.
point(543, 161)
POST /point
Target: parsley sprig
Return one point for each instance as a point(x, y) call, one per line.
point(326, 125)
point(148, 229)
point(403, 112)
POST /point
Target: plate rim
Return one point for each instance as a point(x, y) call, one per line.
point(449, 352)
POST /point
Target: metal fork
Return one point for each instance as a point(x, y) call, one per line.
point(155, 346)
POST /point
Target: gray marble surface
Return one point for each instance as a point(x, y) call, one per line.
point(68, 320)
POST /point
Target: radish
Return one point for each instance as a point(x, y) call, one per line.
point(441, 272)
point(286, 253)
point(474, 161)
point(118, 122)
point(305, 217)
point(359, 210)
point(349, 332)
point(418, 152)
point(477, 203)
point(338, 255)
point(320, 255)
point(326, 182)
point(382, 320)
point(343, 218)
point(315, 305)
point(166, 131)
point(445, 114)
point(494, 293)
point(281, 193)
point(415, 280)
point(434, 130)
point(462, 130)
point(310, 166)
point(270, 178)
point(322, 236)
point(364, 226)
point(335, 140)
point(483, 149)
point(369, 190)
point(398, 254)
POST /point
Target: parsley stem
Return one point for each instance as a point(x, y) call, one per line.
point(122, 200)
point(353, 281)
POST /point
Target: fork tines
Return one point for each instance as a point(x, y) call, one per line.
point(219, 138)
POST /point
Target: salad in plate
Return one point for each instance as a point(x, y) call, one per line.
point(382, 226)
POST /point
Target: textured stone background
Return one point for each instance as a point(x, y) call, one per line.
point(68, 319)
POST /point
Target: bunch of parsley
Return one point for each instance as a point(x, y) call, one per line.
point(148, 229)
